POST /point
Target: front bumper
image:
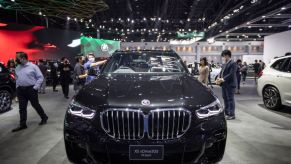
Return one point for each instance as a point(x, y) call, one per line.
point(89, 135)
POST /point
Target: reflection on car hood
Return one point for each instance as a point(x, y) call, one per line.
point(128, 90)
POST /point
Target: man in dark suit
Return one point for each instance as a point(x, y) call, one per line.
point(228, 83)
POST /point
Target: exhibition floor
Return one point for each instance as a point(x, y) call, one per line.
point(257, 136)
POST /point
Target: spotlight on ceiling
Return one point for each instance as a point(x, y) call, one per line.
point(68, 18)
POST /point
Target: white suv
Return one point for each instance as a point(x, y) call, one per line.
point(274, 84)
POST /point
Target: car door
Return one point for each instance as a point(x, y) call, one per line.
point(284, 81)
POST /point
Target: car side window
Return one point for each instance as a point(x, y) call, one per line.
point(2, 68)
point(289, 68)
point(285, 65)
point(277, 65)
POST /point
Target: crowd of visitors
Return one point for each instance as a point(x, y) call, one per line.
point(31, 79)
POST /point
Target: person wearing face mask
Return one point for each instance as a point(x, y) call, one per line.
point(28, 80)
point(65, 76)
point(92, 66)
point(79, 74)
point(228, 82)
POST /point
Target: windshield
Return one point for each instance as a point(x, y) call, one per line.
point(144, 62)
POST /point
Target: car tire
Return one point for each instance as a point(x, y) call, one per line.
point(74, 152)
point(271, 98)
point(5, 101)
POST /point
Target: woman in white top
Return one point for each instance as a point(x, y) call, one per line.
point(203, 71)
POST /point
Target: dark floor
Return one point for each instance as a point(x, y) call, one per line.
point(257, 136)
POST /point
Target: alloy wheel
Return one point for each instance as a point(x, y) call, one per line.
point(271, 98)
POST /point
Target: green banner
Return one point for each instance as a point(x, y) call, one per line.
point(190, 34)
point(99, 47)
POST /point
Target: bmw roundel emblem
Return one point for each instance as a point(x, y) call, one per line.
point(145, 102)
point(104, 47)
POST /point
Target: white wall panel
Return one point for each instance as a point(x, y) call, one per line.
point(276, 45)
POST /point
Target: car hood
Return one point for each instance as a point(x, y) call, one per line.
point(129, 90)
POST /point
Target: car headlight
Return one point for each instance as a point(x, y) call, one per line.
point(212, 109)
point(81, 111)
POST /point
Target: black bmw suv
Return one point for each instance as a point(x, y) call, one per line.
point(7, 88)
point(145, 106)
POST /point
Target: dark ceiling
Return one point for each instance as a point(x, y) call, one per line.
point(154, 20)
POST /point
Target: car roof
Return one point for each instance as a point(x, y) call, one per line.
point(140, 51)
point(278, 58)
point(282, 57)
point(152, 52)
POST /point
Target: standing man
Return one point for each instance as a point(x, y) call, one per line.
point(43, 68)
point(65, 76)
point(244, 72)
point(262, 65)
point(54, 75)
point(79, 74)
point(92, 66)
point(28, 81)
point(238, 75)
point(257, 68)
point(228, 82)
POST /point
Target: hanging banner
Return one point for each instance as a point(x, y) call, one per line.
point(99, 47)
point(190, 34)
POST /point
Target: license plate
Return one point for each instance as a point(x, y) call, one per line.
point(146, 152)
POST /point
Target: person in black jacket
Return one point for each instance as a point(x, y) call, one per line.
point(228, 82)
point(257, 69)
point(43, 68)
point(238, 74)
point(54, 75)
point(65, 76)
